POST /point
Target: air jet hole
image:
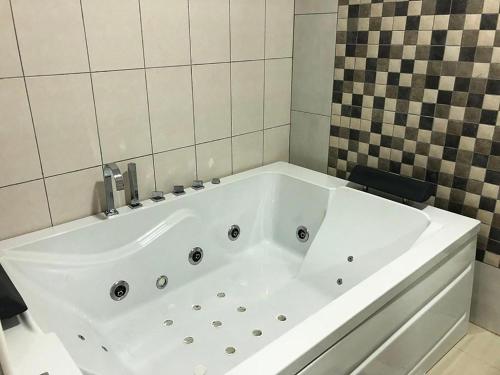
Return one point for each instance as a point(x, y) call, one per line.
point(221, 294)
point(242, 309)
point(188, 340)
point(230, 350)
point(104, 348)
point(216, 323)
point(81, 337)
point(257, 332)
point(168, 322)
point(196, 307)
point(281, 318)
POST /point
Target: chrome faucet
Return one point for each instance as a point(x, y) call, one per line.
point(134, 187)
point(112, 172)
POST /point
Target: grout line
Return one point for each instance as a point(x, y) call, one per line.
point(92, 85)
point(146, 67)
point(231, 90)
point(264, 87)
point(147, 94)
point(291, 87)
point(311, 113)
point(31, 113)
point(192, 90)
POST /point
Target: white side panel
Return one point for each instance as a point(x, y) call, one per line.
point(372, 334)
point(402, 352)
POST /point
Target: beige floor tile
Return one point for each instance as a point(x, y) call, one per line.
point(457, 362)
point(482, 345)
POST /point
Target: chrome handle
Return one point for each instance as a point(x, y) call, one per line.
point(157, 196)
point(134, 187)
point(197, 185)
point(179, 190)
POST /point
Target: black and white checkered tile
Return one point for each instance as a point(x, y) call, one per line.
point(417, 92)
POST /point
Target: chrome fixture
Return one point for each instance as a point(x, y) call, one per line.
point(234, 232)
point(119, 290)
point(179, 190)
point(195, 256)
point(134, 187)
point(112, 172)
point(216, 181)
point(197, 185)
point(157, 196)
point(302, 234)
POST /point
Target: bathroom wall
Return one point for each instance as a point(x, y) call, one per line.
point(417, 92)
point(185, 89)
point(313, 68)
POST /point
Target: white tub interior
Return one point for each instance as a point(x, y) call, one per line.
point(66, 279)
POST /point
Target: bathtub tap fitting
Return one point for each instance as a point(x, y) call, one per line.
point(134, 187)
point(112, 172)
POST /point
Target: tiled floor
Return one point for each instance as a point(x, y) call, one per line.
point(478, 353)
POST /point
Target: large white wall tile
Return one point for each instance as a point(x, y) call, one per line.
point(10, 65)
point(212, 101)
point(309, 140)
point(171, 107)
point(51, 36)
point(122, 114)
point(313, 63)
point(64, 118)
point(247, 81)
point(19, 159)
point(315, 6)
point(214, 159)
point(75, 195)
point(279, 28)
point(113, 31)
point(24, 209)
point(165, 24)
point(277, 92)
point(276, 144)
point(209, 30)
point(176, 167)
point(248, 151)
point(485, 308)
point(247, 29)
point(145, 179)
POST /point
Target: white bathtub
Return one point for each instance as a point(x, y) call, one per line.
point(378, 288)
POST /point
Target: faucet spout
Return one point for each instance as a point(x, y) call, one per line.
point(112, 172)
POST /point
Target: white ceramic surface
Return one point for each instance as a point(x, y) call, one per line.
point(272, 283)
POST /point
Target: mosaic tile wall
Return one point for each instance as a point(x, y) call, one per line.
point(417, 92)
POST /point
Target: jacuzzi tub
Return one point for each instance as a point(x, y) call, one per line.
point(377, 287)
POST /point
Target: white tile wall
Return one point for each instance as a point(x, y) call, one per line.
point(63, 111)
point(171, 107)
point(51, 36)
point(165, 25)
point(113, 30)
point(313, 70)
point(10, 65)
point(209, 31)
point(186, 89)
point(212, 101)
point(18, 149)
point(248, 19)
point(214, 159)
point(277, 92)
point(122, 114)
point(247, 82)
